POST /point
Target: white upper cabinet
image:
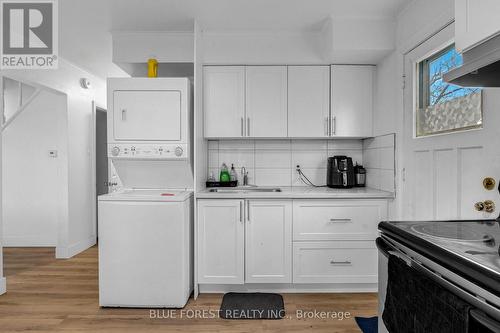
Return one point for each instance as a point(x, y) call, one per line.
point(351, 110)
point(266, 101)
point(475, 21)
point(288, 101)
point(224, 101)
point(268, 240)
point(308, 101)
point(147, 115)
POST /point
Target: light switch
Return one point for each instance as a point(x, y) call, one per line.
point(53, 153)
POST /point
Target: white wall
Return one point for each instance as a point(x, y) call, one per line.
point(420, 19)
point(78, 234)
point(415, 23)
point(262, 48)
point(387, 86)
point(35, 184)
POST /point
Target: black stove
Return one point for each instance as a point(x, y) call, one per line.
point(470, 248)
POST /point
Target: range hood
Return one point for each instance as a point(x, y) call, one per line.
point(481, 67)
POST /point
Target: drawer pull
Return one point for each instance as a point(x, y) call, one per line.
point(345, 262)
point(340, 220)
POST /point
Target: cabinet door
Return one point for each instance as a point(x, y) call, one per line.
point(147, 115)
point(475, 22)
point(266, 110)
point(351, 101)
point(220, 241)
point(224, 101)
point(268, 239)
point(308, 101)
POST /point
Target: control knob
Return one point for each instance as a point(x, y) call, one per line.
point(115, 151)
point(178, 151)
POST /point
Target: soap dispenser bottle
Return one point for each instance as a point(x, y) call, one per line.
point(232, 174)
point(224, 174)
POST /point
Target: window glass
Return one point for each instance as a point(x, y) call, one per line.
point(444, 107)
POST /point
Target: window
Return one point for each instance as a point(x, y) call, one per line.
point(443, 107)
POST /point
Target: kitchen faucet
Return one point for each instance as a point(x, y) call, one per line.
point(244, 174)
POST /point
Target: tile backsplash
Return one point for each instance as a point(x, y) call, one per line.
point(379, 159)
point(273, 162)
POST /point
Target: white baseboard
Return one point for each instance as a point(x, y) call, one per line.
point(72, 250)
point(291, 288)
point(28, 241)
point(3, 285)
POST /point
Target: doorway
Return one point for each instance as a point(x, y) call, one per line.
point(443, 173)
point(101, 156)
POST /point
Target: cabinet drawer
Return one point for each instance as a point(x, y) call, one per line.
point(335, 262)
point(343, 220)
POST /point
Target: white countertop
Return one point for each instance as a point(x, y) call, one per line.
point(301, 192)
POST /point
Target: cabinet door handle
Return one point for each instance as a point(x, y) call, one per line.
point(241, 211)
point(333, 125)
point(340, 220)
point(124, 114)
point(345, 262)
point(248, 126)
point(248, 211)
point(326, 126)
point(242, 127)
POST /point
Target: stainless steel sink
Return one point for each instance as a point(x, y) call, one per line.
point(243, 190)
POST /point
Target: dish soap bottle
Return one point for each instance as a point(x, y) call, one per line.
point(232, 174)
point(224, 174)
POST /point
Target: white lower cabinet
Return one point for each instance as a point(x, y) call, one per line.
point(335, 262)
point(221, 241)
point(336, 219)
point(244, 241)
point(251, 241)
point(268, 242)
point(334, 240)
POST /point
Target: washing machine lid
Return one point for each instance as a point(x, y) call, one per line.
point(161, 195)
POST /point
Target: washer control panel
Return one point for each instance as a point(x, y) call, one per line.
point(147, 151)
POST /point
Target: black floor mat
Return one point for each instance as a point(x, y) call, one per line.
point(252, 306)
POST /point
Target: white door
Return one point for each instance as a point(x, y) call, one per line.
point(308, 101)
point(352, 100)
point(266, 101)
point(475, 22)
point(442, 175)
point(224, 101)
point(221, 241)
point(268, 238)
point(147, 115)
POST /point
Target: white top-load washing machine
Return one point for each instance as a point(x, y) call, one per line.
point(145, 223)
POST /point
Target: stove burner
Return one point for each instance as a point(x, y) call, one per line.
point(450, 231)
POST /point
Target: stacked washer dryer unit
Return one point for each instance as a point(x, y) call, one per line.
point(146, 221)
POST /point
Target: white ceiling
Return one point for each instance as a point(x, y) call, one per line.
point(85, 25)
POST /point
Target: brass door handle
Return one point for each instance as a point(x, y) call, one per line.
point(488, 206)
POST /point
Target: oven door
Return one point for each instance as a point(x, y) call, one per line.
point(383, 259)
point(479, 321)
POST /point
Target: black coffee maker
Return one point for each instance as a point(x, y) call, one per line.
point(340, 172)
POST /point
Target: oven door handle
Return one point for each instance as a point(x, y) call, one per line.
point(484, 320)
point(383, 247)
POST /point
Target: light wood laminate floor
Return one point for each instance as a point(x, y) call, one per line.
point(49, 295)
